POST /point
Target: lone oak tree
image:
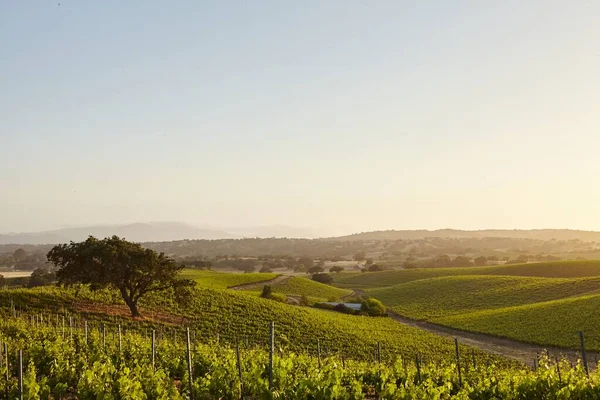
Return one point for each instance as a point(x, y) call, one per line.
point(115, 262)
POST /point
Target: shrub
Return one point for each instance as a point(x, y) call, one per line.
point(304, 301)
point(322, 278)
point(373, 307)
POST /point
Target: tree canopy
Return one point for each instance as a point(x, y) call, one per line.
point(117, 263)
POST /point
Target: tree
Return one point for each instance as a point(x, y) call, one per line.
point(360, 256)
point(265, 270)
point(117, 263)
point(336, 268)
point(480, 261)
point(19, 254)
point(316, 269)
point(322, 278)
point(2, 281)
point(306, 261)
point(461, 261)
point(266, 292)
point(375, 268)
point(40, 277)
point(369, 261)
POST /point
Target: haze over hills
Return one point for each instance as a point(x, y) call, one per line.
point(172, 231)
point(152, 232)
point(540, 234)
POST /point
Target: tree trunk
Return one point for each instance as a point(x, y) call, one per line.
point(132, 304)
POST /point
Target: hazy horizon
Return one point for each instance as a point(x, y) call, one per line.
point(343, 116)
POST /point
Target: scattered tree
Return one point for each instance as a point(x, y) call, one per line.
point(19, 254)
point(40, 277)
point(117, 263)
point(266, 292)
point(265, 269)
point(480, 261)
point(360, 256)
point(369, 262)
point(336, 268)
point(316, 269)
point(323, 278)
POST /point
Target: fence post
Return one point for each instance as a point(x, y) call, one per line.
point(319, 352)
point(189, 360)
point(418, 363)
point(473, 356)
point(85, 331)
point(379, 352)
point(271, 351)
point(7, 364)
point(120, 340)
point(583, 355)
point(239, 365)
point(458, 361)
point(103, 336)
point(558, 370)
point(153, 348)
point(21, 374)
point(71, 327)
point(63, 326)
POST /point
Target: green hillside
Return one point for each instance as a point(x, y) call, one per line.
point(214, 279)
point(451, 295)
point(553, 323)
point(307, 287)
point(227, 315)
point(557, 269)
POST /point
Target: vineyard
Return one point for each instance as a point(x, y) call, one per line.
point(446, 296)
point(298, 286)
point(214, 279)
point(558, 269)
point(47, 358)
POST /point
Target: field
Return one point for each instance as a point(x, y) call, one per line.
point(558, 269)
point(299, 286)
point(445, 296)
point(552, 323)
point(214, 279)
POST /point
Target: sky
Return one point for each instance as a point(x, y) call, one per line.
point(340, 115)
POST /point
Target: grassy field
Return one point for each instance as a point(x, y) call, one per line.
point(451, 295)
point(300, 286)
point(554, 323)
point(214, 279)
point(558, 269)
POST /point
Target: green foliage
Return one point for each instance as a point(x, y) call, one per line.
point(336, 268)
point(73, 367)
point(40, 277)
point(280, 297)
point(117, 263)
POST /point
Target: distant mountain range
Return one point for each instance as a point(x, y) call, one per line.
point(540, 234)
point(151, 232)
point(170, 231)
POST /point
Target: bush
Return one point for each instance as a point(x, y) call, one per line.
point(341, 307)
point(322, 278)
point(373, 307)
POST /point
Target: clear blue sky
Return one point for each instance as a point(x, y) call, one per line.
point(342, 115)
